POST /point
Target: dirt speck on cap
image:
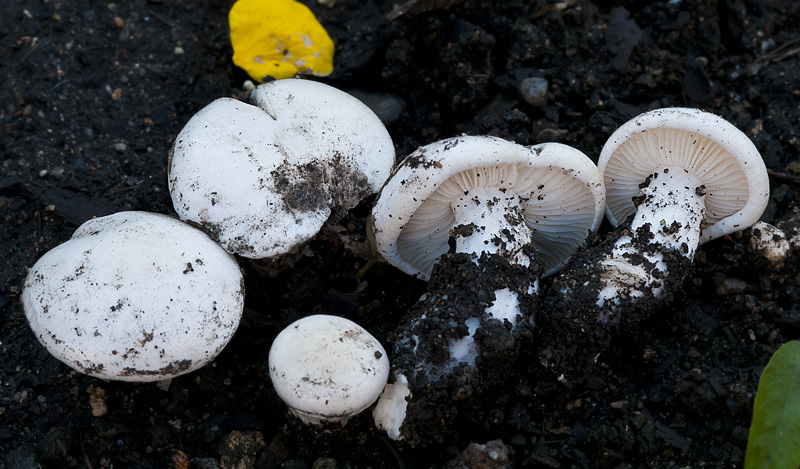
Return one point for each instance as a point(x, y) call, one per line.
point(314, 186)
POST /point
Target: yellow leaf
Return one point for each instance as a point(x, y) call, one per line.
point(279, 39)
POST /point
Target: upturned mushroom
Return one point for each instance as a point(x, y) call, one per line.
point(327, 369)
point(135, 296)
point(263, 178)
point(482, 218)
point(685, 177)
point(674, 178)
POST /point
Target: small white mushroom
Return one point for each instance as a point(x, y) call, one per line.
point(327, 369)
point(688, 177)
point(498, 203)
point(769, 245)
point(263, 178)
point(135, 296)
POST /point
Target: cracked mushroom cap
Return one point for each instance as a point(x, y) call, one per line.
point(720, 155)
point(263, 178)
point(327, 368)
point(135, 296)
point(561, 188)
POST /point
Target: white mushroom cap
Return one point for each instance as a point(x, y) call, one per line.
point(722, 157)
point(263, 179)
point(135, 296)
point(327, 368)
point(412, 217)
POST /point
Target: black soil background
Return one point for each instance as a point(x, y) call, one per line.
point(93, 93)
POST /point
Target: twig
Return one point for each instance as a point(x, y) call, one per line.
point(33, 48)
point(161, 18)
point(83, 450)
point(776, 55)
point(783, 176)
point(560, 6)
point(373, 260)
point(117, 191)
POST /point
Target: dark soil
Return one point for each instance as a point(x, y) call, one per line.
point(94, 93)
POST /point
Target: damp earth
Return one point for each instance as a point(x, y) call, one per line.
point(94, 94)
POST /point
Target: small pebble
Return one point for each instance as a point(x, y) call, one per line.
point(387, 107)
point(729, 286)
point(97, 401)
point(325, 463)
point(534, 91)
point(120, 147)
point(178, 50)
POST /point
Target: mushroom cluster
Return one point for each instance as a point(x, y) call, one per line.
point(137, 296)
point(141, 297)
point(672, 179)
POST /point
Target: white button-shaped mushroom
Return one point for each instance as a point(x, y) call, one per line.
point(505, 208)
point(688, 177)
point(263, 178)
point(135, 296)
point(327, 368)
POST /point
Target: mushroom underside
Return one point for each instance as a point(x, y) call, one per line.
point(549, 206)
point(726, 186)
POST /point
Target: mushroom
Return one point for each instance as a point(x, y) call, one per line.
point(327, 369)
point(135, 296)
point(768, 247)
point(674, 178)
point(687, 177)
point(263, 178)
point(482, 218)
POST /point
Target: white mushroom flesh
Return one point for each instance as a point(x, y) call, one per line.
point(390, 411)
point(491, 221)
point(504, 307)
point(770, 243)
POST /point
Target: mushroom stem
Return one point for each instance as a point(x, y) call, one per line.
point(668, 218)
point(490, 220)
point(675, 197)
